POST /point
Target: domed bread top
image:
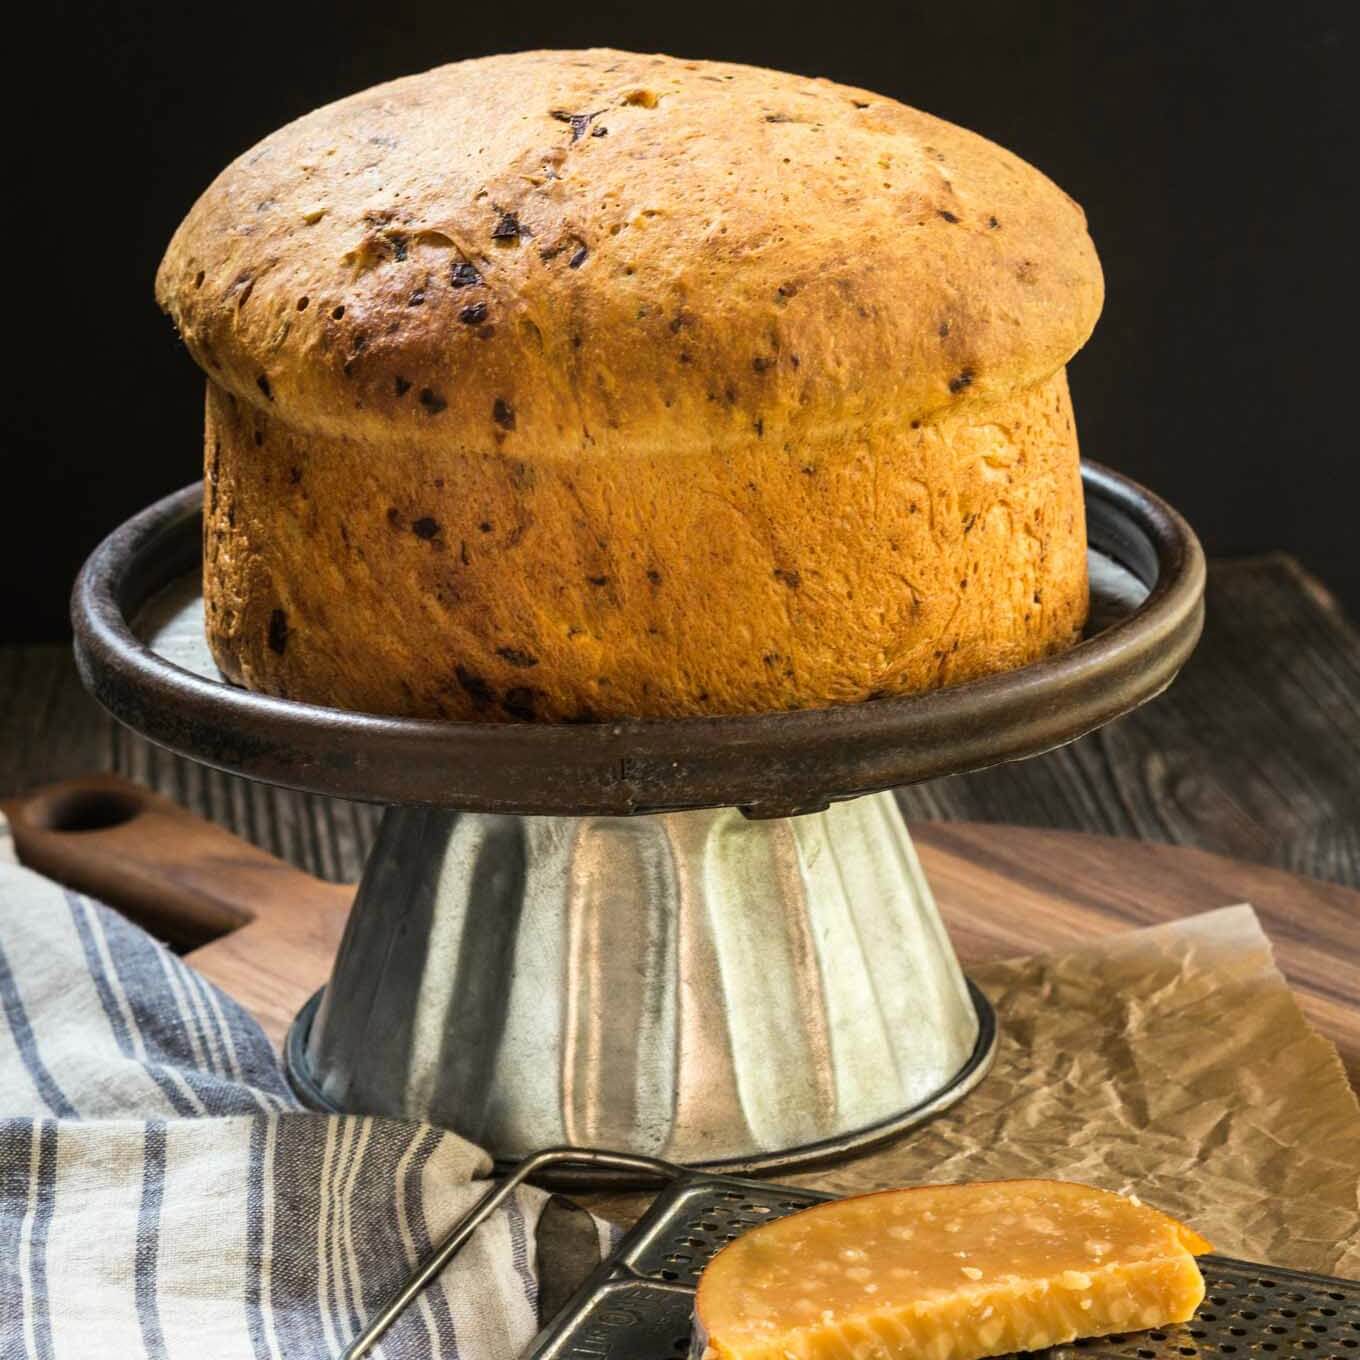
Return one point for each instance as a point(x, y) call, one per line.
point(549, 253)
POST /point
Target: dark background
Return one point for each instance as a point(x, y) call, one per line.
point(1214, 151)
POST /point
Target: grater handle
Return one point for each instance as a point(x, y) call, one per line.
point(481, 1211)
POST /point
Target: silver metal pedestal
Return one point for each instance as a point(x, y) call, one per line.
point(691, 985)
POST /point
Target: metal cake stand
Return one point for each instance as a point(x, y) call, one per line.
point(702, 939)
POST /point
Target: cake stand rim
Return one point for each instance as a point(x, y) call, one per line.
point(770, 764)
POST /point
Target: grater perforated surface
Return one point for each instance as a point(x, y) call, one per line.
point(637, 1306)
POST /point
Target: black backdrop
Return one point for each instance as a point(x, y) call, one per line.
point(1213, 149)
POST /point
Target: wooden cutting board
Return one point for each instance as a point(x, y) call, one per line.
point(265, 932)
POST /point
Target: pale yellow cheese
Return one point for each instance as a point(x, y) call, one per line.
point(948, 1272)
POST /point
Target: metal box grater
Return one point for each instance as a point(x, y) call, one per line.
point(638, 1304)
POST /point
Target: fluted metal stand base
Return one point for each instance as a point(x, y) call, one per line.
point(693, 985)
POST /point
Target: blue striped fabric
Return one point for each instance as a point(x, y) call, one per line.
point(163, 1195)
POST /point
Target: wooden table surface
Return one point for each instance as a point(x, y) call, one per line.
point(1253, 754)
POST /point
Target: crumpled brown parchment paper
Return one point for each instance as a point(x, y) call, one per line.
point(1173, 1062)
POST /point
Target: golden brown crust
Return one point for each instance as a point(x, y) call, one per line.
point(586, 384)
point(554, 254)
point(491, 587)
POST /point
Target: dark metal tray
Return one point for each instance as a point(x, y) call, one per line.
point(140, 649)
point(638, 1304)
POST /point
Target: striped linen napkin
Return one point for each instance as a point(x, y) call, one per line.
point(163, 1194)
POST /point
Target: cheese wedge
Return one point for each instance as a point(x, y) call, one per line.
point(947, 1272)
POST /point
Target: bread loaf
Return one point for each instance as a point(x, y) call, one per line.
point(576, 385)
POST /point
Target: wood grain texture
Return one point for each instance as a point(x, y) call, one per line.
point(1252, 753)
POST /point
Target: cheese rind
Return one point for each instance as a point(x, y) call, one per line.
point(948, 1272)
